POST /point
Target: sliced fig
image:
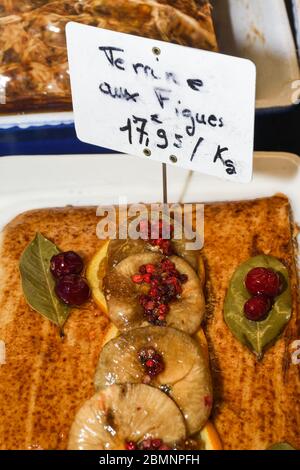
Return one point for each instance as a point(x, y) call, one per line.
point(126, 413)
point(123, 295)
point(185, 375)
point(190, 256)
point(187, 312)
point(120, 249)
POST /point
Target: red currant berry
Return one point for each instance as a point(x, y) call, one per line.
point(66, 263)
point(150, 363)
point(146, 444)
point(257, 308)
point(156, 443)
point(150, 305)
point(263, 281)
point(158, 241)
point(73, 290)
point(137, 278)
point(167, 265)
point(164, 447)
point(143, 299)
point(130, 445)
point(154, 292)
point(147, 278)
point(166, 247)
point(150, 268)
point(142, 269)
point(163, 309)
point(174, 283)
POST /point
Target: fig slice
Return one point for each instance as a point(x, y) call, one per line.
point(121, 249)
point(187, 312)
point(124, 413)
point(190, 256)
point(185, 378)
point(122, 295)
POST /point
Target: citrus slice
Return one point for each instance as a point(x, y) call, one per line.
point(95, 273)
point(210, 437)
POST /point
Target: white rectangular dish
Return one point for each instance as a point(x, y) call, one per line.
point(258, 30)
point(54, 181)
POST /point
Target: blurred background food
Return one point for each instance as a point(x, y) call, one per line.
point(33, 53)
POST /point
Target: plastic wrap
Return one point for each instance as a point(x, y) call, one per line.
point(33, 56)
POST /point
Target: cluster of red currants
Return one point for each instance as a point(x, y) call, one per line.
point(155, 234)
point(147, 444)
point(165, 285)
point(264, 284)
point(70, 287)
point(152, 361)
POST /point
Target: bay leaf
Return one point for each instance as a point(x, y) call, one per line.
point(38, 283)
point(257, 336)
point(281, 446)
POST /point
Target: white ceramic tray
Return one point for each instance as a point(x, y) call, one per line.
point(256, 29)
point(55, 181)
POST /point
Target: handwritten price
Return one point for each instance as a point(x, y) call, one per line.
point(163, 101)
point(138, 128)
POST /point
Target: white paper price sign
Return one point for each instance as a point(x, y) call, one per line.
point(164, 102)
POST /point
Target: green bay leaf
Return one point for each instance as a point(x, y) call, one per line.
point(281, 446)
point(257, 336)
point(38, 283)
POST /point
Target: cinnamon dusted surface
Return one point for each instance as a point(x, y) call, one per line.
point(256, 404)
point(47, 378)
